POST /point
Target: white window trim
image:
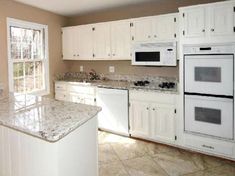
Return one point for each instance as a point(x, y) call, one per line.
point(26, 24)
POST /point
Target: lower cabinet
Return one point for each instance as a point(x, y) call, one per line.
point(151, 118)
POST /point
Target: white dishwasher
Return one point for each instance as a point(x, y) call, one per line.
point(114, 114)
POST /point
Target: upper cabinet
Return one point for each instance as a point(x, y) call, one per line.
point(156, 28)
point(68, 43)
point(120, 40)
point(208, 23)
point(101, 41)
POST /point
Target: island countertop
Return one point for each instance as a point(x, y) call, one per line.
point(45, 118)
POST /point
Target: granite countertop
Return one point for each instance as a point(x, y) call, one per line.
point(124, 85)
point(44, 118)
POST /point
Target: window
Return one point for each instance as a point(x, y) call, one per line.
point(27, 57)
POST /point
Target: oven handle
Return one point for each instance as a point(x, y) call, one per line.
point(209, 95)
point(205, 49)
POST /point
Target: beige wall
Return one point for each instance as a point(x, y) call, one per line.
point(9, 8)
point(147, 9)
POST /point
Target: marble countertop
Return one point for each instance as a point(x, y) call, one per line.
point(45, 118)
point(124, 85)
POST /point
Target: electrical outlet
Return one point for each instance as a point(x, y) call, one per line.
point(81, 68)
point(111, 69)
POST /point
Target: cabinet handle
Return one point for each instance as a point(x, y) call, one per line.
point(149, 36)
point(147, 108)
point(153, 109)
point(108, 54)
point(203, 30)
point(77, 55)
point(212, 30)
point(74, 55)
point(113, 54)
point(155, 36)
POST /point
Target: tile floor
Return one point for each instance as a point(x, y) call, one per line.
point(121, 156)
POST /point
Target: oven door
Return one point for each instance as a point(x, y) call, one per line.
point(209, 74)
point(209, 116)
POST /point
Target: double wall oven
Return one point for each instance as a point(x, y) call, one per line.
point(209, 90)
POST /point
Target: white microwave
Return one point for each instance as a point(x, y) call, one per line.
point(154, 54)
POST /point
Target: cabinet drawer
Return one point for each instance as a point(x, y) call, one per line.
point(81, 98)
point(61, 96)
point(82, 89)
point(60, 87)
point(210, 146)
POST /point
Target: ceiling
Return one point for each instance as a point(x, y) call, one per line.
point(78, 7)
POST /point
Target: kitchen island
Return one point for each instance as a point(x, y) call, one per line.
point(44, 137)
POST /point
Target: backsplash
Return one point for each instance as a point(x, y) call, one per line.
point(123, 68)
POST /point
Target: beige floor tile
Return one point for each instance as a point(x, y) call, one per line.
point(112, 169)
point(129, 150)
point(153, 149)
point(107, 154)
point(143, 166)
point(176, 164)
point(225, 170)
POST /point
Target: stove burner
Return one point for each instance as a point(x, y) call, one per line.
point(167, 85)
point(141, 83)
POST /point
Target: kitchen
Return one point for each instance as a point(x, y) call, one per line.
point(163, 101)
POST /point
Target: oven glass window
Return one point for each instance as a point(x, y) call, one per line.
point(208, 115)
point(147, 56)
point(207, 74)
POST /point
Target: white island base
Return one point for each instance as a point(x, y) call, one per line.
point(74, 155)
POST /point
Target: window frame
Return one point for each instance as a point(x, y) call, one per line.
point(30, 25)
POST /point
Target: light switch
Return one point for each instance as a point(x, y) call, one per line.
point(111, 69)
point(81, 68)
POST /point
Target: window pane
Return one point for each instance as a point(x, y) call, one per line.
point(208, 74)
point(29, 68)
point(29, 84)
point(39, 82)
point(15, 51)
point(37, 45)
point(15, 34)
point(38, 68)
point(19, 85)
point(18, 69)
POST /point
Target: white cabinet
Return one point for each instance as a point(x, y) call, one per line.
point(208, 23)
point(165, 27)
point(162, 119)
point(142, 29)
point(74, 92)
point(221, 19)
point(152, 116)
point(121, 40)
point(101, 41)
point(68, 43)
point(139, 118)
point(85, 42)
point(194, 22)
point(155, 28)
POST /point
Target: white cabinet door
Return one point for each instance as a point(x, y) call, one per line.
point(164, 27)
point(142, 30)
point(101, 41)
point(139, 119)
point(60, 95)
point(121, 40)
point(85, 42)
point(194, 22)
point(162, 118)
point(221, 20)
point(68, 43)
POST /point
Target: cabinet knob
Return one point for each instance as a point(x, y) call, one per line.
point(78, 55)
point(74, 55)
point(113, 54)
point(153, 109)
point(155, 36)
point(149, 36)
point(108, 54)
point(203, 30)
point(147, 108)
point(212, 30)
